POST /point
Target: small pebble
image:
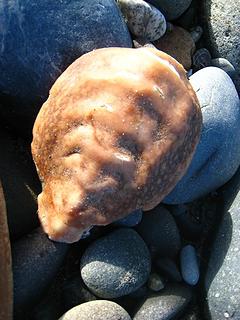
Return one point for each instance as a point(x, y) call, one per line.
point(116, 265)
point(189, 265)
point(131, 220)
point(225, 65)
point(166, 305)
point(143, 20)
point(155, 282)
point(97, 310)
point(171, 9)
point(159, 230)
point(201, 59)
point(179, 44)
point(196, 33)
point(168, 268)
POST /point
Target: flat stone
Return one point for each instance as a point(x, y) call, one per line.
point(39, 40)
point(97, 310)
point(168, 304)
point(222, 280)
point(159, 230)
point(116, 265)
point(172, 9)
point(36, 260)
point(21, 184)
point(222, 21)
point(217, 155)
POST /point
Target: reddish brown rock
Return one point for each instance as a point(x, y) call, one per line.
point(117, 132)
point(6, 286)
point(179, 44)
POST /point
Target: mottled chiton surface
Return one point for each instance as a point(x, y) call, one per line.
point(117, 132)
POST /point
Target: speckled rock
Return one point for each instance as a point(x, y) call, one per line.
point(172, 9)
point(168, 304)
point(143, 19)
point(179, 44)
point(97, 310)
point(222, 21)
point(222, 281)
point(116, 265)
point(40, 39)
point(20, 183)
point(131, 220)
point(164, 239)
point(155, 282)
point(189, 265)
point(218, 153)
point(36, 260)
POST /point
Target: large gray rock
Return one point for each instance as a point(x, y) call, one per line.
point(38, 41)
point(217, 156)
point(222, 280)
point(222, 21)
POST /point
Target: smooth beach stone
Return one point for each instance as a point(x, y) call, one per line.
point(226, 66)
point(131, 220)
point(116, 265)
point(97, 310)
point(179, 44)
point(36, 260)
point(20, 183)
point(166, 305)
point(143, 20)
point(222, 24)
point(39, 40)
point(222, 281)
point(171, 9)
point(217, 156)
point(189, 265)
point(155, 282)
point(159, 230)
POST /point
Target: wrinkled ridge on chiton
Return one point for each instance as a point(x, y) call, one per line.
point(116, 134)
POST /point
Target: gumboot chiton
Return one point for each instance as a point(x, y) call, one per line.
point(117, 132)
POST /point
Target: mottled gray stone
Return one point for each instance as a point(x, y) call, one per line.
point(97, 310)
point(159, 230)
point(40, 39)
point(116, 265)
point(172, 9)
point(222, 280)
point(217, 156)
point(189, 265)
point(36, 260)
point(168, 304)
point(222, 19)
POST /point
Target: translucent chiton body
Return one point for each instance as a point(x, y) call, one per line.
point(117, 132)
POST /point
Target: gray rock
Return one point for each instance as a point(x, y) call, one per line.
point(97, 310)
point(189, 265)
point(131, 220)
point(36, 260)
point(226, 66)
point(155, 282)
point(222, 21)
point(222, 282)
point(160, 232)
point(20, 183)
point(168, 268)
point(116, 265)
point(217, 155)
point(171, 9)
point(39, 40)
point(168, 304)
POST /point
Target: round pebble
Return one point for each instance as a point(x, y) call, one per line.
point(155, 282)
point(131, 220)
point(97, 310)
point(117, 264)
point(166, 305)
point(201, 59)
point(171, 9)
point(160, 232)
point(143, 20)
point(225, 65)
point(189, 265)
